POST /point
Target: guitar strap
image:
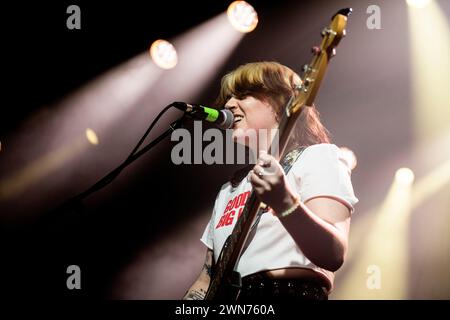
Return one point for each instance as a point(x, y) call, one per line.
point(286, 163)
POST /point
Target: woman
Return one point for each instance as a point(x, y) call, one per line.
point(303, 238)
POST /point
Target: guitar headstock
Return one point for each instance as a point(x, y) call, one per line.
point(313, 72)
point(336, 31)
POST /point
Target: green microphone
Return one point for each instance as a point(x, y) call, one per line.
point(223, 119)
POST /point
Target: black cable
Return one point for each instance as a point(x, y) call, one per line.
point(114, 173)
point(148, 131)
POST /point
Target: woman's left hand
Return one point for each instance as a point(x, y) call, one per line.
point(271, 185)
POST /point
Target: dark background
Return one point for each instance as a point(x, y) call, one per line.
point(365, 101)
point(44, 63)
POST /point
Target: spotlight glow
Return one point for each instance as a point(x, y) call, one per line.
point(404, 176)
point(379, 253)
point(418, 3)
point(242, 16)
point(164, 54)
point(348, 156)
point(429, 39)
point(91, 136)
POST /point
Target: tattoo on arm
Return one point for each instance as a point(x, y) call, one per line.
point(195, 295)
point(207, 267)
point(200, 293)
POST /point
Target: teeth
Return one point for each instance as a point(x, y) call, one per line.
point(237, 118)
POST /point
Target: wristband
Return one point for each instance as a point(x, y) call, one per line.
point(290, 210)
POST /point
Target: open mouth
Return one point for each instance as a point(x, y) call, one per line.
point(238, 118)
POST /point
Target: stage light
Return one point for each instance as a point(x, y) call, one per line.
point(348, 156)
point(91, 136)
point(418, 3)
point(242, 16)
point(430, 46)
point(164, 54)
point(404, 176)
point(119, 103)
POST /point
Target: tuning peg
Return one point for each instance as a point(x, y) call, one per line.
point(302, 87)
point(306, 68)
point(327, 30)
point(333, 53)
point(307, 82)
point(315, 50)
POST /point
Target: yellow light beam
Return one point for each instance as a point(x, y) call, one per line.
point(430, 184)
point(430, 70)
point(18, 182)
point(418, 3)
point(379, 270)
point(378, 236)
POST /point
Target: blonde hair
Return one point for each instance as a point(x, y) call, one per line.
point(273, 82)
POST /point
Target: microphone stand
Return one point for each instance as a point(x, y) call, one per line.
point(114, 173)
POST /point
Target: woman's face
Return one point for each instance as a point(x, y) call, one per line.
point(250, 116)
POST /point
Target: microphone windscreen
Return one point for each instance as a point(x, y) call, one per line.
point(228, 119)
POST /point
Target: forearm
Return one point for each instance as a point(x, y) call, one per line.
point(319, 228)
point(196, 292)
point(319, 240)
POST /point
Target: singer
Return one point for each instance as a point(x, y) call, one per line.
point(301, 239)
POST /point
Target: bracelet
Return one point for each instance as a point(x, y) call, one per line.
point(290, 210)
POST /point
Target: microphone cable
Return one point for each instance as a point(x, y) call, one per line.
point(103, 182)
point(141, 141)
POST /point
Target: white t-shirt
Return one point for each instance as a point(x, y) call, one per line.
point(319, 171)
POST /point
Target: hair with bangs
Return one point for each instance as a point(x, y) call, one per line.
point(275, 83)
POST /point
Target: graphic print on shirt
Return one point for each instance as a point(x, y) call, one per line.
point(236, 204)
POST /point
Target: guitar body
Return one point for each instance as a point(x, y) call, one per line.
point(225, 282)
point(228, 286)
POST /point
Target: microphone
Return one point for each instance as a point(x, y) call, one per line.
point(221, 118)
